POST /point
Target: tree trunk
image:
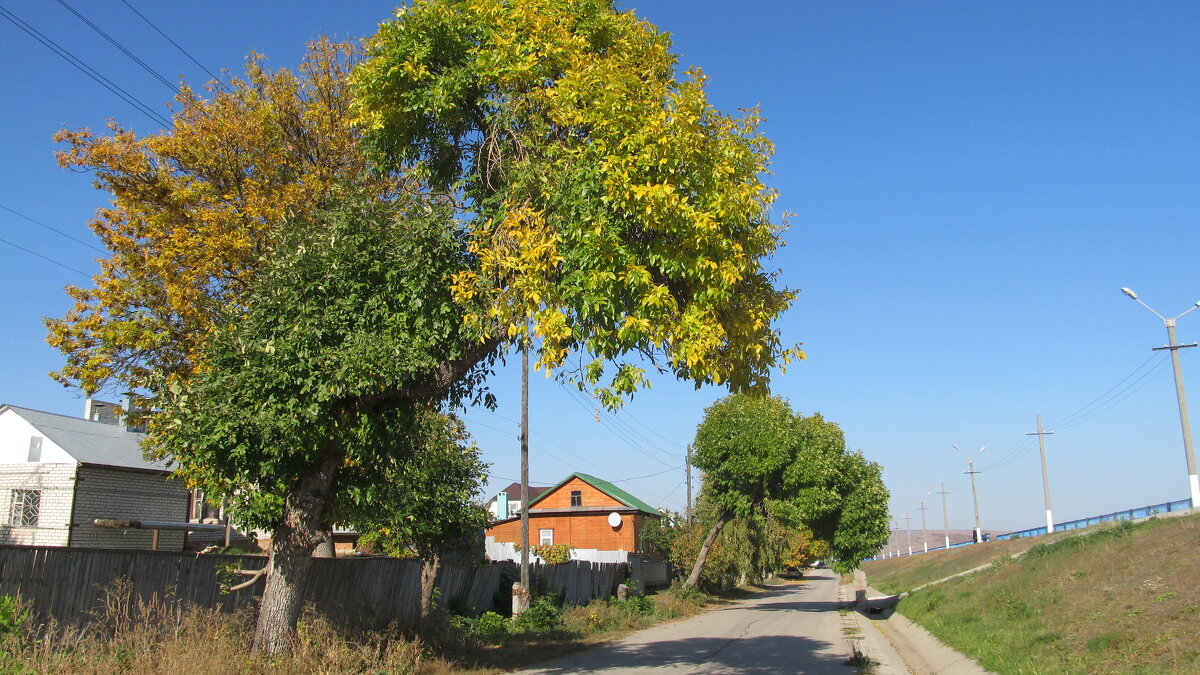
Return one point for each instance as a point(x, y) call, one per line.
point(430, 564)
point(292, 543)
point(325, 548)
point(694, 577)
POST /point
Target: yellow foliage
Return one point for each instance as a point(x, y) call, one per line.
point(194, 209)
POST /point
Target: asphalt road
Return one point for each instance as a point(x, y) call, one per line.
point(791, 629)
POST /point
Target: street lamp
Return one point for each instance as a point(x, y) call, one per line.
point(974, 495)
point(1174, 348)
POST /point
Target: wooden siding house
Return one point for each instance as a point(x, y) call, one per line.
point(582, 511)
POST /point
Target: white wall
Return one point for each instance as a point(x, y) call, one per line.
point(15, 433)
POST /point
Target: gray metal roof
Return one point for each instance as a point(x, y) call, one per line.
point(90, 442)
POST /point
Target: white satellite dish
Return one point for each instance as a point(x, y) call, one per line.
point(614, 519)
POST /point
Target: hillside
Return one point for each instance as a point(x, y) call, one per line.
point(1114, 599)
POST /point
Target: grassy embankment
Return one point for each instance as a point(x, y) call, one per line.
point(1120, 598)
point(200, 642)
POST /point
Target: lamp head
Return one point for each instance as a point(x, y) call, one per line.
point(1129, 291)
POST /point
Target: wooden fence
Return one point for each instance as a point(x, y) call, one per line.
point(68, 584)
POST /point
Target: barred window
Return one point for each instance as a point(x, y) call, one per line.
point(25, 508)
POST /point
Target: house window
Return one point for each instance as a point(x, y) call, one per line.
point(25, 508)
point(35, 449)
point(546, 537)
point(576, 497)
point(203, 509)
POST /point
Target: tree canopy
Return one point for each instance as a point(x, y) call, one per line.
point(196, 210)
point(605, 200)
point(762, 461)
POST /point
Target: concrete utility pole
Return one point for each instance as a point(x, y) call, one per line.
point(1045, 476)
point(688, 511)
point(908, 527)
point(924, 536)
point(1174, 347)
point(974, 495)
point(945, 516)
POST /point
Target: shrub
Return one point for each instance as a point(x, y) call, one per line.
point(491, 627)
point(543, 614)
point(13, 614)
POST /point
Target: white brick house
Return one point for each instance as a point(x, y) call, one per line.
point(58, 473)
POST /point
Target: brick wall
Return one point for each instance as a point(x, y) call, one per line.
point(127, 495)
point(582, 530)
point(56, 482)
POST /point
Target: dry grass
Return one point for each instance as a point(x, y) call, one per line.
point(1118, 600)
point(156, 638)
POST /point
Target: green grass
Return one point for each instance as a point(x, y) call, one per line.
point(896, 575)
point(1120, 599)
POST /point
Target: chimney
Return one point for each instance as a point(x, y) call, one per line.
point(100, 411)
point(502, 506)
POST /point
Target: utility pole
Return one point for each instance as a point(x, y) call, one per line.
point(688, 512)
point(945, 517)
point(523, 602)
point(974, 494)
point(908, 528)
point(924, 538)
point(1045, 475)
point(1174, 347)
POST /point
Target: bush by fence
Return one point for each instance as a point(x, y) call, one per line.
point(67, 583)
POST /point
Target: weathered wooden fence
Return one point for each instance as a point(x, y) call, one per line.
point(68, 584)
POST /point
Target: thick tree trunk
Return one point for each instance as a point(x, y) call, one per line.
point(430, 564)
point(292, 544)
point(694, 577)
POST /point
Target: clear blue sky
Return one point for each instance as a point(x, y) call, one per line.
point(972, 183)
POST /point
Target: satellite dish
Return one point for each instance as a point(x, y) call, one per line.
point(614, 519)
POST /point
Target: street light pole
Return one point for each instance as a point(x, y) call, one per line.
point(974, 495)
point(1174, 347)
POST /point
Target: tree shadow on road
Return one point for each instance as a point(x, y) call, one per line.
point(751, 655)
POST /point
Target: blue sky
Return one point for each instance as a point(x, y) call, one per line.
point(972, 184)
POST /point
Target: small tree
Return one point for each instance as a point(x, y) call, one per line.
point(744, 447)
point(425, 503)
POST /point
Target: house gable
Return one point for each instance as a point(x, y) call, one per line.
point(595, 492)
point(16, 436)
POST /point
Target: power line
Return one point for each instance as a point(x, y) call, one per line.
point(1065, 420)
point(619, 428)
point(84, 68)
point(51, 260)
point(113, 41)
point(649, 475)
point(52, 229)
point(176, 44)
point(1121, 396)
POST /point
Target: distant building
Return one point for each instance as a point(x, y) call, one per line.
point(507, 502)
point(59, 473)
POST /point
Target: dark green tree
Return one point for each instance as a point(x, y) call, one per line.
point(425, 504)
point(762, 461)
point(294, 415)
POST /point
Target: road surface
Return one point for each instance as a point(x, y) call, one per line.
point(794, 628)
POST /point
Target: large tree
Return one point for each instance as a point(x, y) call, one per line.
point(597, 198)
point(762, 460)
